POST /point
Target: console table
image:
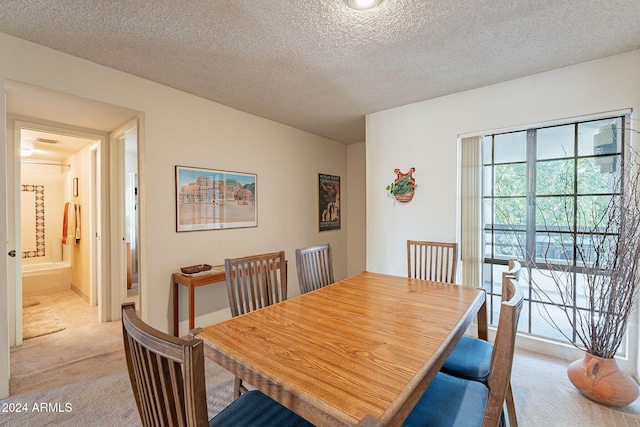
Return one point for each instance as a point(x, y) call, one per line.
point(216, 274)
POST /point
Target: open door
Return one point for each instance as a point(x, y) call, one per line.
point(123, 213)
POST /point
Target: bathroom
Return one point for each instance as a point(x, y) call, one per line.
point(58, 193)
point(54, 213)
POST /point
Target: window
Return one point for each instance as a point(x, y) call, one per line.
point(542, 190)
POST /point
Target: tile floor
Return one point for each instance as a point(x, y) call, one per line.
point(72, 309)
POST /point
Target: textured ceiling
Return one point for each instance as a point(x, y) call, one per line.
point(318, 65)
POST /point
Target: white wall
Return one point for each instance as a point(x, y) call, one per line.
point(181, 129)
point(424, 135)
point(78, 251)
point(287, 162)
point(356, 209)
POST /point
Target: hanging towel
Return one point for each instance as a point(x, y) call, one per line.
point(65, 223)
point(71, 224)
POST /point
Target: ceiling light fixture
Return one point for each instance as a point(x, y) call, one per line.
point(362, 4)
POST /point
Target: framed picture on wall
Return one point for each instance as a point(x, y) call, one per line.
point(329, 201)
point(208, 199)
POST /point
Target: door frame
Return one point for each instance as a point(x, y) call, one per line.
point(6, 239)
point(95, 249)
point(117, 214)
point(101, 215)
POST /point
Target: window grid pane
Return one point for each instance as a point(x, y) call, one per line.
point(576, 171)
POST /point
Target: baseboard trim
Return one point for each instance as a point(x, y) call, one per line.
point(79, 292)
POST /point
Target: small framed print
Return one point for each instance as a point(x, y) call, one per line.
point(75, 187)
point(208, 199)
point(329, 202)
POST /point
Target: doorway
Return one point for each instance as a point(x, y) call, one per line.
point(68, 161)
point(128, 141)
point(57, 221)
point(50, 107)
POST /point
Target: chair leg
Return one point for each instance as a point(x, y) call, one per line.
point(483, 330)
point(238, 388)
point(237, 385)
point(511, 408)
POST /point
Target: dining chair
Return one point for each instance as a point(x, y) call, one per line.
point(514, 269)
point(315, 267)
point(254, 282)
point(454, 401)
point(168, 381)
point(471, 357)
point(436, 261)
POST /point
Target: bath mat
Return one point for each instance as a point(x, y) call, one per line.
point(38, 321)
point(29, 302)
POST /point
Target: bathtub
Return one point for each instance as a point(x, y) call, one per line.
point(45, 277)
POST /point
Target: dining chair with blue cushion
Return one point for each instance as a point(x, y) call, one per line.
point(453, 401)
point(168, 381)
point(471, 357)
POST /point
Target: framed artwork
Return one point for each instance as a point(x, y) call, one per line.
point(208, 199)
point(329, 202)
point(75, 187)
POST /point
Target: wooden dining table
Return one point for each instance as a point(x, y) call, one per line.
point(358, 352)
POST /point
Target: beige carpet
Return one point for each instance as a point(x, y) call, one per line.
point(38, 321)
point(81, 376)
point(85, 368)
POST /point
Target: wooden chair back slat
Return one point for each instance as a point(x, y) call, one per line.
point(315, 267)
point(436, 261)
point(255, 281)
point(514, 271)
point(503, 350)
point(483, 325)
point(166, 374)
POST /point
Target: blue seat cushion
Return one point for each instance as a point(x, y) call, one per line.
point(450, 401)
point(255, 409)
point(470, 359)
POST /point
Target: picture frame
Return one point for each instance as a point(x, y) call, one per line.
point(75, 187)
point(210, 199)
point(328, 202)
